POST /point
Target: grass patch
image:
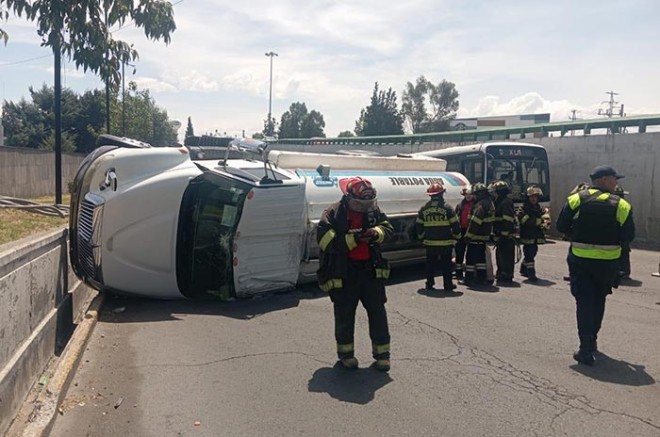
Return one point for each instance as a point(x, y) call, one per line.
point(16, 224)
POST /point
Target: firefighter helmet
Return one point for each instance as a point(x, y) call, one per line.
point(534, 191)
point(479, 188)
point(499, 186)
point(435, 189)
point(358, 188)
point(465, 191)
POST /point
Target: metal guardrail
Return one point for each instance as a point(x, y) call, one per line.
point(614, 125)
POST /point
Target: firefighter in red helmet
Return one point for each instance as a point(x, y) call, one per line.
point(438, 229)
point(352, 268)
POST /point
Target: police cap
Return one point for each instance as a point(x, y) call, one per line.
point(602, 171)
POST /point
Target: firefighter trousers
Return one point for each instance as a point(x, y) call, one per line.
point(475, 262)
point(505, 256)
point(432, 255)
point(361, 285)
point(528, 266)
point(460, 248)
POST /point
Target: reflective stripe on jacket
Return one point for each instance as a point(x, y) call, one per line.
point(336, 240)
point(597, 220)
point(437, 224)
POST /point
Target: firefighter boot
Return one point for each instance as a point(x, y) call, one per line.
point(585, 354)
point(531, 274)
point(523, 269)
point(349, 362)
point(383, 365)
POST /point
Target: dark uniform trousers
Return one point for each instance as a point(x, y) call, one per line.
point(624, 261)
point(591, 282)
point(529, 254)
point(505, 255)
point(432, 255)
point(460, 248)
point(475, 262)
point(361, 285)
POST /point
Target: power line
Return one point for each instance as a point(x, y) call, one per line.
point(23, 61)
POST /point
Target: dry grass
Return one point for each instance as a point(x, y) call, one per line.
point(16, 224)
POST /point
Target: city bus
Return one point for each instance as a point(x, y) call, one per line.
point(519, 164)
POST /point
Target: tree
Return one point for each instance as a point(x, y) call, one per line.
point(345, 134)
point(80, 29)
point(189, 129)
point(381, 117)
point(442, 99)
point(269, 127)
point(297, 122)
point(31, 124)
point(258, 136)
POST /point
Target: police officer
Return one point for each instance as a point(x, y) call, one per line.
point(503, 231)
point(438, 229)
point(478, 234)
point(598, 222)
point(532, 227)
point(352, 269)
point(624, 265)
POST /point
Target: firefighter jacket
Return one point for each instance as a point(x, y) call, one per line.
point(532, 224)
point(598, 223)
point(336, 240)
point(481, 219)
point(463, 211)
point(504, 224)
point(437, 224)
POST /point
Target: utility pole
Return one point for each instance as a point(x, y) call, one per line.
point(57, 103)
point(611, 103)
point(270, 92)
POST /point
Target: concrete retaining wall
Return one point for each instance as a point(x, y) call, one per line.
point(40, 303)
point(30, 173)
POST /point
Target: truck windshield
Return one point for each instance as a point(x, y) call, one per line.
point(210, 212)
point(520, 168)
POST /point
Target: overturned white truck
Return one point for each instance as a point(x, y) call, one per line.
point(150, 221)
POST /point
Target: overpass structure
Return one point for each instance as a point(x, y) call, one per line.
point(612, 125)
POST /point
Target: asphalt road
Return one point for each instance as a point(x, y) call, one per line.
point(473, 363)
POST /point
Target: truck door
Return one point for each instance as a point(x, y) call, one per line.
point(268, 243)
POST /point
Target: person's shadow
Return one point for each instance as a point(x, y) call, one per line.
point(439, 293)
point(357, 386)
point(608, 369)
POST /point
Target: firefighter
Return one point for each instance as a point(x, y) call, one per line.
point(598, 222)
point(503, 230)
point(352, 269)
point(532, 231)
point(478, 233)
point(438, 229)
point(624, 265)
point(463, 211)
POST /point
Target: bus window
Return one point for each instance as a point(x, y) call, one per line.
point(473, 170)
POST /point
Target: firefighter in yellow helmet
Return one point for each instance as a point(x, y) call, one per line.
point(438, 229)
point(532, 231)
point(352, 269)
point(598, 223)
point(503, 230)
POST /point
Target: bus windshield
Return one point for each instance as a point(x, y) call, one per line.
point(521, 167)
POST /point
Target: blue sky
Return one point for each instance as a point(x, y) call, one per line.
point(506, 57)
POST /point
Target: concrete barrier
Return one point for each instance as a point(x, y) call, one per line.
point(41, 301)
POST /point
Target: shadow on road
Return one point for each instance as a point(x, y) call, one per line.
point(540, 282)
point(486, 288)
point(608, 369)
point(439, 293)
point(630, 283)
point(354, 386)
point(508, 284)
point(120, 309)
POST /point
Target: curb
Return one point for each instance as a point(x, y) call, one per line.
point(43, 410)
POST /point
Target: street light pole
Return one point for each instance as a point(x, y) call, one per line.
point(270, 90)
